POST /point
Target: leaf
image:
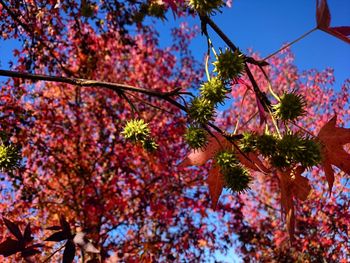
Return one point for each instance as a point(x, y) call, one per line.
point(333, 138)
point(215, 183)
point(27, 236)
point(84, 243)
point(292, 184)
point(323, 18)
point(253, 163)
point(54, 228)
point(14, 229)
point(65, 226)
point(57, 236)
point(300, 185)
point(69, 252)
point(30, 252)
point(200, 157)
point(10, 247)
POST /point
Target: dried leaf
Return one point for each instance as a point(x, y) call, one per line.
point(333, 138)
point(84, 243)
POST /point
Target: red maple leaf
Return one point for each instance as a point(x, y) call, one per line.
point(333, 153)
point(323, 18)
point(292, 185)
point(215, 179)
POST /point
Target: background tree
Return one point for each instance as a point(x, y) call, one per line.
point(79, 177)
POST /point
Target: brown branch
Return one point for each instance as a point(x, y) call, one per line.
point(86, 83)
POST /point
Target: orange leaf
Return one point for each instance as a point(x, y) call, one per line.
point(215, 183)
point(333, 153)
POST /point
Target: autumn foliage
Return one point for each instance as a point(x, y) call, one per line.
point(151, 171)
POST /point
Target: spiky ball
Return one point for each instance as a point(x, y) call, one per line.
point(248, 142)
point(196, 137)
point(237, 178)
point(290, 107)
point(229, 65)
point(206, 7)
point(226, 159)
point(201, 110)
point(266, 144)
point(10, 157)
point(310, 154)
point(214, 90)
point(136, 130)
point(149, 145)
point(290, 147)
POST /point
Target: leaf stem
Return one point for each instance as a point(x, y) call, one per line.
point(291, 43)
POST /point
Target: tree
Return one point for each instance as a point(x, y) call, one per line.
point(80, 178)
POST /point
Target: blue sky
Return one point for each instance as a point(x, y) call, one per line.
point(266, 25)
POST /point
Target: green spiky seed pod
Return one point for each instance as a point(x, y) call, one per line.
point(206, 7)
point(311, 153)
point(10, 157)
point(248, 143)
point(196, 137)
point(201, 110)
point(229, 65)
point(157, 10)
point(290, 107)
point(226, 160)
point(266, 144)
point(136, 130)
point(149, 145)
point(214, 90)
point(237, 178)
point(290, 146)
point(287, 150)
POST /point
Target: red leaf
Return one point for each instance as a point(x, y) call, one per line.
point(200, 157)
point(323, 18)
point(323, 15)
point(215, 183)
point(333, 138)
point(10, 247)
point(344, 30)
point(14, 229)
point(335, 32)
point(300, 185)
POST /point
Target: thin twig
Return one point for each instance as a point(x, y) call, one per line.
point(57, 250)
